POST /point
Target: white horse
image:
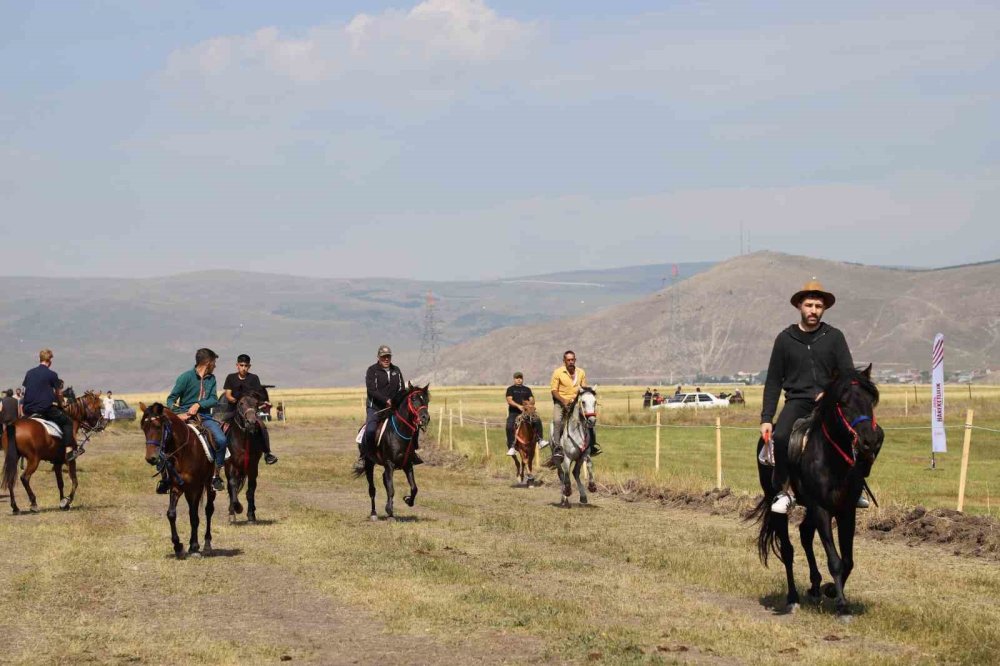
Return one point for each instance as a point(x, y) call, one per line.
point(575, 442)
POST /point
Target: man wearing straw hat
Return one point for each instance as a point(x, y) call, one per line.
point(803, 361)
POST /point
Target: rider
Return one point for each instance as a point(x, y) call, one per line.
point(194, 395)
point(383, 380)
point(519, 395)
point(803, 360)
point(241, 383)
point(42, 394)
point(566, 382)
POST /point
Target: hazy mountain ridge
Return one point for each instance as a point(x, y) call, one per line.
point(724, 320)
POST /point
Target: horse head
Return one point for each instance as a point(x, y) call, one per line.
point(416, 403)
point(850, 402)
point(93, 409)
point(154, 426)
point(246, 413)
point(587, 404)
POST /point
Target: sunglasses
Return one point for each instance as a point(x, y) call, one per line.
point(385, 358)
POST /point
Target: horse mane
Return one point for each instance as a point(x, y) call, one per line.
point(583, 389)
point(827, 407)
point(402, 394)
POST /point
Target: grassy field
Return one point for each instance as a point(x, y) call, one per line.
point(687, 439)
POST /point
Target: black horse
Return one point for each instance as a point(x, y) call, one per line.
point(397, 439)
point(830, 455)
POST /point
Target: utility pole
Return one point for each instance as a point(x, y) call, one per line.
point(429, 341)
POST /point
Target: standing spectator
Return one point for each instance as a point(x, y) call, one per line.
point(10, 411)
point(20, 400)
point(657, 398)
point(109, 407)
point(280, 411)
point(679, 390)
point(647, 398)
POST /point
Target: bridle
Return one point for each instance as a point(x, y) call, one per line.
point(396, 420)
point(242, 419)
point(852, 459)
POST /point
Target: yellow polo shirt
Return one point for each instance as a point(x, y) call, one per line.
point(567, 387)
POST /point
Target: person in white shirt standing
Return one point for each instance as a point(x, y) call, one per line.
point(109, 407)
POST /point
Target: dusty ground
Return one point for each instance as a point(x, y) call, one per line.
point(478, 571)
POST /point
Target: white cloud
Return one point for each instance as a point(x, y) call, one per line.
point(431, 33)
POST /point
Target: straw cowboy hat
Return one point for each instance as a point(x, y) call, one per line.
point(814, 289)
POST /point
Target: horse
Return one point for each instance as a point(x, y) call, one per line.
point(397, 439)
point(575, 441)
point(830, 455)
point(245, 443)
point(34, 443)
point(173, 447)
point(525, 441)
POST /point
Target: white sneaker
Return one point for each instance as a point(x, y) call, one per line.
point(542, 443)
point(863, 502)
point(783, 503)
point(511, 451)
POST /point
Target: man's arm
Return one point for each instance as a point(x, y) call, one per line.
point(378, 400)
point(554, 385)
point(211, 399)
point(772, 385)
point(175, 394)
point(512, 403)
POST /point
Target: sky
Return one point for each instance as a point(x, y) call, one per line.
point(470, 139)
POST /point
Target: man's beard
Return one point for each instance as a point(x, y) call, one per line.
point(805, 320)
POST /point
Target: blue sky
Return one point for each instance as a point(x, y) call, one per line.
point(460, 139)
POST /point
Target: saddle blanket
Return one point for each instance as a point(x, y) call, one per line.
point(378, 438)
point(204, 443)
point(50, 427)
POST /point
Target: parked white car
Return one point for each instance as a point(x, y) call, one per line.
point(693, 400)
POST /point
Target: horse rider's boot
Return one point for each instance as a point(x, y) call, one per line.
point(217, 483)
point(557, 456)
point(359, 464)
point(595, 450)
point(863, 502)
point(75, 452)
point(783, 502)
point(163, 485)
point(512, 451)
point(265, 438)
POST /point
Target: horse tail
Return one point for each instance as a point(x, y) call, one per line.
point(769, 538)
point(10, 460)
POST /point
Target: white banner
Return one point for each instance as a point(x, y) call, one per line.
point(938, 443)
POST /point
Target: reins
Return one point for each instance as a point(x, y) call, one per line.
point(852, 459)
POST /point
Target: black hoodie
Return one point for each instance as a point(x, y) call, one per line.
point(803, 364)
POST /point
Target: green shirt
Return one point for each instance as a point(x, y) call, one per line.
point(190, 389)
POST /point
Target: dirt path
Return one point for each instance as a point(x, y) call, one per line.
point(478, 571)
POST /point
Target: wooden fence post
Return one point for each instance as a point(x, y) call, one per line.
point(966, 445)
point(440, 424)
point(718, 452)
point(451, 421)
point(461, 415)
point(906, 403)
point(486, 439)
point(658, 414)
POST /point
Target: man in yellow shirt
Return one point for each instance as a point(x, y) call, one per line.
point(566, 383)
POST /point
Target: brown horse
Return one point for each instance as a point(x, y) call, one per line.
point(525, 439)
point(173, 447)
point(245, 443)
point(34, 443)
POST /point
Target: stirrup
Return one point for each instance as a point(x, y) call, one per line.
point(270, 458)
point(74, 454)
point(512, 451)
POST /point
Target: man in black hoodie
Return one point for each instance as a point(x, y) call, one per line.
point(803, 361)
point(383, 380)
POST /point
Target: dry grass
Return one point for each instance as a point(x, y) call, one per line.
point(477, 571)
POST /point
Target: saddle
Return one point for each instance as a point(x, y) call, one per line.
point(203, 436)
point(49, 426)
point(796, 443)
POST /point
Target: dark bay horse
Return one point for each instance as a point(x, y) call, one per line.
point(34, 443)
point(830, 455)
point(245, 443)
point(397, 441)
point(172, 445)
point(525, 440)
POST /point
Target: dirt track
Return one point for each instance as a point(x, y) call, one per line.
point(478, 571)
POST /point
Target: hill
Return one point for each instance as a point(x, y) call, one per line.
point(138, 334)
point(724, 320)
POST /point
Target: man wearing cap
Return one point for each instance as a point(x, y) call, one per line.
point(518, 396)
point(804, 359)
point(567, 380)
point(241, 383)
point(383, 381)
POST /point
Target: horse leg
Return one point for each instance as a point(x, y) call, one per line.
point(529, 462)
point(412, 497)
point(390, 491)
point(252, 492)
point(845, 535)
point(564, 479)
point(577, 466)
point(209, 512)
point(518, 474)
point(787, 558)
point(233, 479)
point(57, 470)
point(824, 525)
point(807, 533)
point(591, 481)
point(26, 482)
point(193, 500)
point(370, 474)
point(172, 517)
point(74, 483)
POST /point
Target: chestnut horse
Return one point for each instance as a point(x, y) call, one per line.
point(245, 443)
point(173, 447)
point(397, 442)
point(525, 440)
point(34, 443)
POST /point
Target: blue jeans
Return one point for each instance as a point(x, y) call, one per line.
point(371, 425)
point(221, 441)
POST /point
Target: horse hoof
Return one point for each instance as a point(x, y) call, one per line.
point(16, 512)
point(592, 487)
point(584, 500)
point(845, 616)
point(373, 518)
point(814, 593)
point(829, 590)
point(207, 550)
point(196, 553)
point(33, 508)
point(408, 500)
point(238, 508)
point(251, 517)
point(64, 504)
point(791, 608)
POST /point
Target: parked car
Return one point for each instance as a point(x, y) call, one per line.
point(693, 400)
point(123, 411)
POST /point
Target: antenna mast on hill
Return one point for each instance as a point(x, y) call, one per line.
point(429, 342)
point(674, 295)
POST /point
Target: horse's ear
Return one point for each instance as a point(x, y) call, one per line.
point(426, 386)
point(142, 407)
point(867, 372)
point(409, 386)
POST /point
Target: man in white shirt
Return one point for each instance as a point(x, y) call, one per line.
point(109, 407)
